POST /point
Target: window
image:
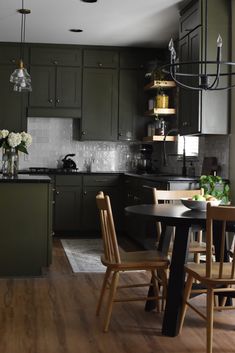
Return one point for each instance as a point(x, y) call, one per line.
point(191, 145)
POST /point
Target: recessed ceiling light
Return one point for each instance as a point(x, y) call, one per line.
point(76, 30)
point(89, 0)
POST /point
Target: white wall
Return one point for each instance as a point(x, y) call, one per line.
point(232, 136)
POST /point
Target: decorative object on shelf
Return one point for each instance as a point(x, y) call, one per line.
point(11, 144)
point(207, 80)
point(162, 100)
point(20, 77)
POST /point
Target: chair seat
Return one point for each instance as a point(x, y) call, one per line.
point(197, 247)
point(198, 271)
point(139, 259)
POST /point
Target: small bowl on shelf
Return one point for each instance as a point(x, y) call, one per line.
point(198, 205)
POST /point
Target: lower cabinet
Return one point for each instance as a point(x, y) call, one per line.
point(75, 210)
point(67, 215)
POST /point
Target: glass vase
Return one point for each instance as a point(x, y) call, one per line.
point(10, 163)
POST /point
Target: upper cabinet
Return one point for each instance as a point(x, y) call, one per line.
point(100, 95)
point(131, 121)
point(205, 112)
point(56, 80)
point(12, 104)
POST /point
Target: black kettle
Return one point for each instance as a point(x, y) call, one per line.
point(68, 163)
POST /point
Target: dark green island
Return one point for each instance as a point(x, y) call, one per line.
point(26, 225)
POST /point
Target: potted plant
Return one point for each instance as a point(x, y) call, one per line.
point(215, 186)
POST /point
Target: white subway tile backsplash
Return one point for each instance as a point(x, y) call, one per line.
point(52, 140)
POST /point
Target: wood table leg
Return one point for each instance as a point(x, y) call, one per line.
point(176, 281)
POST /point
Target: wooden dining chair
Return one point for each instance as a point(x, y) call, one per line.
point(116, 262)
point(196, 246)
point(212, 275)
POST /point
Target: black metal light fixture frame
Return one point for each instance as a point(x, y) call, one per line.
point(206, 81)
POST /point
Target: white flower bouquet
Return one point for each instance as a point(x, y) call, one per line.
point(18, 140)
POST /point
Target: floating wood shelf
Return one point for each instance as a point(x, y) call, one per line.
point(159, 84)
point(160, 111)
point(159, 138)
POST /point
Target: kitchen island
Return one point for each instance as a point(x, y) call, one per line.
point(26, 225)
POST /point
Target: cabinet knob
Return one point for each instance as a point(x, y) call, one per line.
point(57, 100)
point(100, 64)
point(55, 62)
point(83, 133)
point(50, 100)
point(57, 192)
point(13, 61)
point(185, 123)
point(85, 193)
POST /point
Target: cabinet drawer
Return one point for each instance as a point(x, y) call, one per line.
point(100, 58)
point(103, 180)
point(68, 180)
point(56, 56)
point(190, 20)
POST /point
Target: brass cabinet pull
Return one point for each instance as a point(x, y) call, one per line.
point(50, 100)
point(57, 100)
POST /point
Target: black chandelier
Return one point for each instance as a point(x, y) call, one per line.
point(203, 80)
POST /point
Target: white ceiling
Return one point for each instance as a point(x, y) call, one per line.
point(144, 23)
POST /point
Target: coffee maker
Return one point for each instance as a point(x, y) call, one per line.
point(144, 164)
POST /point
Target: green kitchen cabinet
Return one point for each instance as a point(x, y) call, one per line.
point(205, 112)
point(101, 58)
point(12, 104)
point(100, 104)
point(67, 210)
point(26, 236)
point(110, 185)
point(131, 121)
point(56, 78)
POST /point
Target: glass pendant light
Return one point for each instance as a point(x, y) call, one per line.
point(20, 77)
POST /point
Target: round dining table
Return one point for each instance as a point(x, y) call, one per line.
point(182, 218)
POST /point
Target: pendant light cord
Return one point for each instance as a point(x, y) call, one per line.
point(22, 33)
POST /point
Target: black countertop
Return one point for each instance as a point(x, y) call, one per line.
point(58, 171)
point(163, 177)
point(26, 178)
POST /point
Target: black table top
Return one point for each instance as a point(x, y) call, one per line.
point(168, 213)
point(172, 214)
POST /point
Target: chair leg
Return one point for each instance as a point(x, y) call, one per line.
point(164, 288)
point(113, 289)
point(156, 290)
point(102, 292)
point(186, 296)
point(210, 311)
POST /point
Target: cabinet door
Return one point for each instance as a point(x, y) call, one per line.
point(100, 104)
point(12, 104)
point(129, 105)
point(68, 87)
point(43, 86)
point(67, 208)
point(189, 101)
point(100, 58)
point(59, 55)
point(90, 214)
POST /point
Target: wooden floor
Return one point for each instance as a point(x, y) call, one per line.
point(56, 314)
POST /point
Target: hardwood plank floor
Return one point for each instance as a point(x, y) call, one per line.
point(56, 314)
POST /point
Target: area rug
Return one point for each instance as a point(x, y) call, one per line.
point(84, 254)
